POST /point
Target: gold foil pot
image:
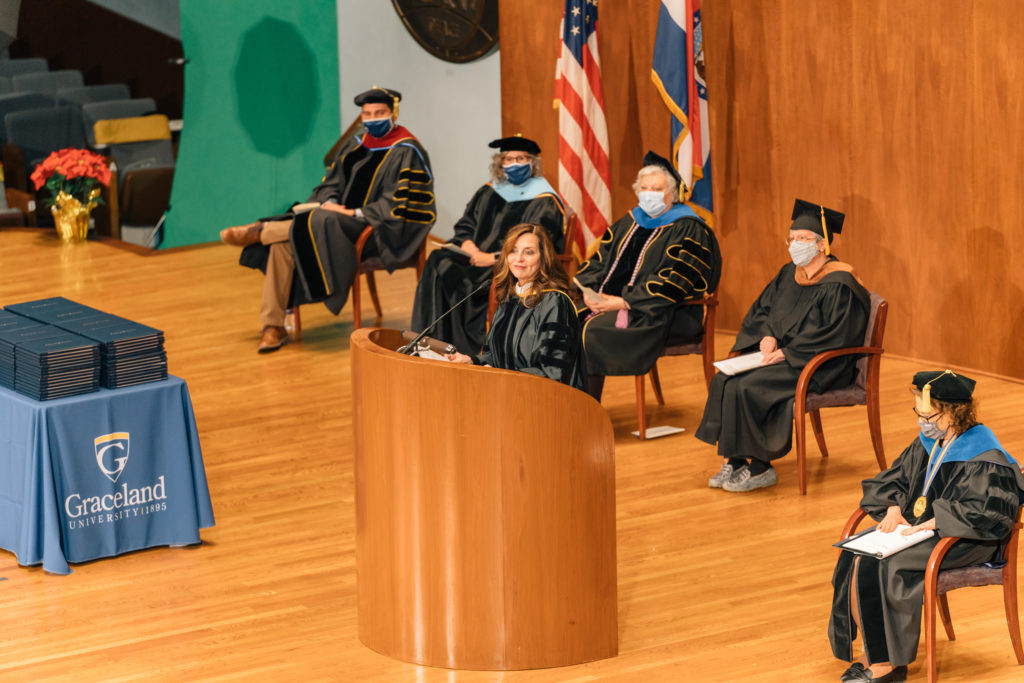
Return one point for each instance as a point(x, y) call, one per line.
point(72, 217)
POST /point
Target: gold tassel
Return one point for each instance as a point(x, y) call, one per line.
point(824, 231)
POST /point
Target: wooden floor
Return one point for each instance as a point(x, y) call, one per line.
point(713, 586)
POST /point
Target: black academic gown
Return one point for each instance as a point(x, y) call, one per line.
point(448, 277)
point(681, 262)
point(390, 180)
point(543, 340)
point(750, 415)
point(976, 500)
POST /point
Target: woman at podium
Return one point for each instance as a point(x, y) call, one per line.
point(535, 328)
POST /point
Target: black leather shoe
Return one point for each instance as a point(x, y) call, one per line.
point(897, 675)
point(854, 673)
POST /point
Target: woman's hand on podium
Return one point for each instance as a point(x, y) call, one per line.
point(458, 357)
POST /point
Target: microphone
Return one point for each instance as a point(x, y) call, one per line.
point(410, 348)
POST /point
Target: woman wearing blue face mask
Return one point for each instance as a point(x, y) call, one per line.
point(650, 261)
point(816, 303)
point(517, 193)
point(954, 478)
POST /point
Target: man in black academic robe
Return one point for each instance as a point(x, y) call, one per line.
point(646, 267)
point(381, 179)
point(517, 193)
point(750, 415)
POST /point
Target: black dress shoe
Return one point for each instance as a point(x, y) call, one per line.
point(854, 673)
point(897, 675)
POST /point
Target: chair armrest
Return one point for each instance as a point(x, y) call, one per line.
point(852, 522)
point(361, 242)
point(935, 559)
point(825, 356)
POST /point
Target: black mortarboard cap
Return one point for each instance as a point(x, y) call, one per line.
point(515, 143)
point(378, 95)
point(943, 385)
point(808, 216)
point(652, 159)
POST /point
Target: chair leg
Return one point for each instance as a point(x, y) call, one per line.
point(656, 384)
point(641, 413)
point(875, 427)
point(929, 631)
point(296, 322)
point(819, 435)
point(1010, 603)
point(371, 281)
point(947, 623)
point(357, 304)
point(801, 453)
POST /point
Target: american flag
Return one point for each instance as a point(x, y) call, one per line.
point(584, 178)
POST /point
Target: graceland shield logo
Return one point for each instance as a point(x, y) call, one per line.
point(112, 454)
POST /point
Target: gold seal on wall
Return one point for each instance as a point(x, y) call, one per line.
point(452, 30)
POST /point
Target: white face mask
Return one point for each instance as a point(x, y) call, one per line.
point(652, 203)
point(802, 253)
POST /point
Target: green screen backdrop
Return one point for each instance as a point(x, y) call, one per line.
point(261, 110)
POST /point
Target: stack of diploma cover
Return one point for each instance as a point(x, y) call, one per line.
point(129, 352)
point(43, 361)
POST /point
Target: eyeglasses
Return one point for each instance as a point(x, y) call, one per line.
point(925, 417)
point(516, 159)
point(804, 240)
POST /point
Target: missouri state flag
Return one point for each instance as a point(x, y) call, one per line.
point(678, 74)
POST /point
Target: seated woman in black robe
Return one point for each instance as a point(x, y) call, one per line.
point(954, 478)
point(535, 328)
point(650, 261)
point(814, 304)
point(517, 193)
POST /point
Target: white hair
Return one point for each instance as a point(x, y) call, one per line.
point(670, 182)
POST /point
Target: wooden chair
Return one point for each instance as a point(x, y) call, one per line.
point(705, 348)
point(938, 582)
point(864, 391)
point(367, 267)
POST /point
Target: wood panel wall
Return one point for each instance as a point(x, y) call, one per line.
point(907, 116)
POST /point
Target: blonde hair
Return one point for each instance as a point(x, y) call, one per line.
point(670, 182)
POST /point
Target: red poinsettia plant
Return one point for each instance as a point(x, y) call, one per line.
point(72, 172)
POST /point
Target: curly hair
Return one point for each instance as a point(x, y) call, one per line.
point(498, 173)
point(549, 276)
point(962, 416)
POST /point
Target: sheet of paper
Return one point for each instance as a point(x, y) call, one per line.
point(882, 544)
point(740, 364)
point(588, 293)
point(663, 430)
point(458, 250)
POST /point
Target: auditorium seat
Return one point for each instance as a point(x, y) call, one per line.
point(18, 102)
point(47, 81)
point(141, 147)
point(32, 134)
point(16, 67)
point(113, 109)
point(5, 85)
point(93, 93)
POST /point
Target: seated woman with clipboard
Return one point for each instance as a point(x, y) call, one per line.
point(954, 479)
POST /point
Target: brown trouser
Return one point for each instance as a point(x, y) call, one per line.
point(280, 269)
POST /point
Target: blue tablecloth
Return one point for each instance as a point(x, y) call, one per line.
point(100, 474)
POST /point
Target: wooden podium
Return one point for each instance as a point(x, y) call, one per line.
point(485, 514)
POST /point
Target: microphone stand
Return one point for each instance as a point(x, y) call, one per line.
point(410, 348)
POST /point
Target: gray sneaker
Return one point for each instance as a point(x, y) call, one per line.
point(745, 481)
point(724, 475)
